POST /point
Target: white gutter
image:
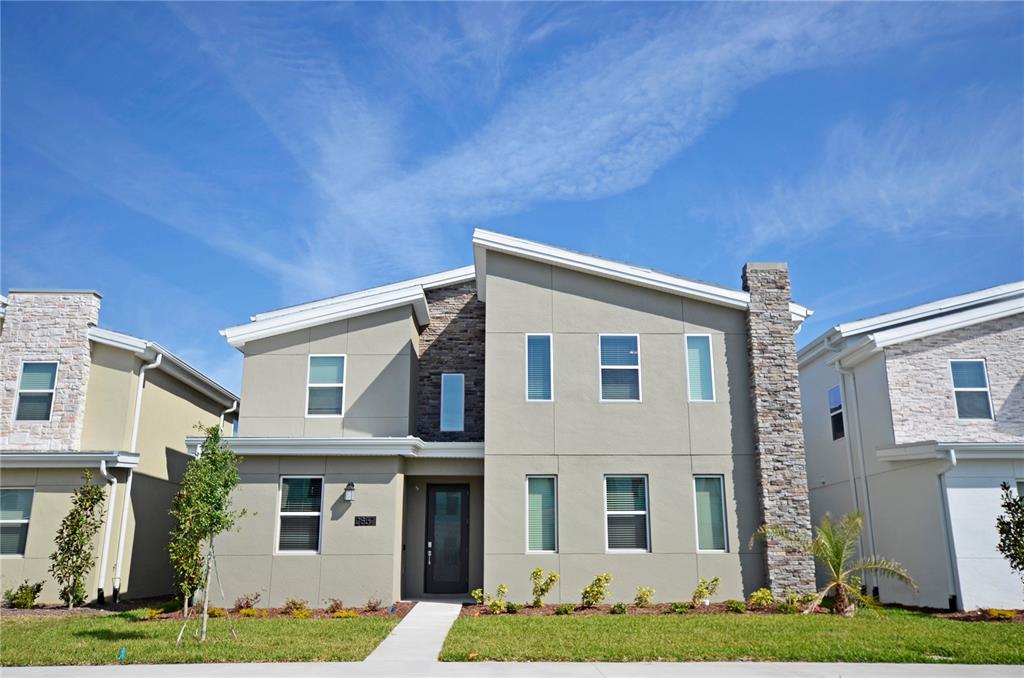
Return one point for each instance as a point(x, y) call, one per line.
point(233, 408)
point(106, 530)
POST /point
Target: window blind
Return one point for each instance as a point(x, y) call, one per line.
point(538, 367)
point(619, 351)
point(698, 366)
point(15, 509)
point(626, 502)
point(541, 514)
point(710, 514)
point(327, 369)
point(34, 406)
point(968, 374)
point(38, 376)
point(300, 531)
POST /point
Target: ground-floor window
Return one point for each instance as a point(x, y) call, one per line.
point(301, 508)
point(710, 504)
point(15, 509)
point(626, 513)
point(542, 514)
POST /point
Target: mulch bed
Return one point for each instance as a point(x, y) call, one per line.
point(55, 611)
point(471, 610)
point(400, 610)
point(980, 616)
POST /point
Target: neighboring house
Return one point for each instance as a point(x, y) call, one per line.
point(76, 396)
point(542, 408)
point(915, 418)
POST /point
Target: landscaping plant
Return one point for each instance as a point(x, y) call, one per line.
point(834, 546)
point(71, 562)
point(680, 608)
point(761, 599)
point(495, 605)
point(644, 594)
point(23, 597)
point(705, 589)
point(596, 591)
point(512, 608)
point(737, 606)
point(1010, 525)
point(542, 584)
point(246, 601)
point(293, 605)
point(564, 609)
point(618, 608)
point(373, 604)
point(334, 605)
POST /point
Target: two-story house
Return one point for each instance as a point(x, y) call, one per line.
point(540, 408)
point(915, 418)
point(76, 396)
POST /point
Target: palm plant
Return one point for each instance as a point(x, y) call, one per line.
point(834, 547)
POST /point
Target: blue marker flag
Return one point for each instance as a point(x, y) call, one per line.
point(123, 653)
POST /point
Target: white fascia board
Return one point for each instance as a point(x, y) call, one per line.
point(338, 310)
point(946, 323)
point(484, 241)
point(855, 354)
point(20, 459)
point(967, 451)
point(410, 447)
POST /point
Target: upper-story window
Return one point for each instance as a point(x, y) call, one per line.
point(453, 402)
point(538, 367)
point(35, 391)
point(835, 412)
point(699, 373)
point(970, 388)
point(325, 388)
point(620, 367)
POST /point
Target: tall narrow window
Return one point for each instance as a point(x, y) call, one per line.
point(620, 367)
point(15, 509)
point(1020, 488)
point(301, 509)
point(970, 388)
point(710, 495)
point(538, 367)
point(835, 412)
point(453, 400)
point(542, 514)
point(35, 391)
point(699, 372)
point(626, 513)
point(325, 391)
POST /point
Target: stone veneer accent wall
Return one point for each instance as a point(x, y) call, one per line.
point(453, 342)
point(921, 386)
point(778, 430)
point(47, 326)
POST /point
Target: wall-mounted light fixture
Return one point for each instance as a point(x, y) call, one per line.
point(350, 492)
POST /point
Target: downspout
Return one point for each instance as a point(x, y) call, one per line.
point(126, 502)
point(843, 395)
point(233, 408)
point(954, 578)
point(106, 530)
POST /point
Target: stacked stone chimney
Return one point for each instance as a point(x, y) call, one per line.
point(44, 325)
point(778, 430)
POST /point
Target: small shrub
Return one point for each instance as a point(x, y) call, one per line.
point(250, 612)
point(217, 612)
point(761, 599)
point(345, 614)
point(737, 606)
point(495, 605)
point(23, 597)
point(596, 591)
point(478, 596)
point(644, 594)
point(246, 601)
point(512, 608)
point(805, 599)
point(150, 614)
point(680, 608)
point(293, 605)
point(304, 613)
point(542, 584)
point(373, 604)
point(618, 608)
point(1000, 615)
point(564, 609)
point(787, 608)
point(334, 605)
point(706, 588)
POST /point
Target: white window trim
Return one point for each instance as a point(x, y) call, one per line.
point(987, 389)
point(527, 491)
point(841, 412)
point(280, 513)
point(526, 363)
point(646, 514)
point(440, 415)
point(20, 521)
point(725, 517)
point(51, 391)
point(344, 389)
point(711, 358)
point(639, 372)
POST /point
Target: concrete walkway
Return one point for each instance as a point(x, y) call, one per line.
point(419, 636)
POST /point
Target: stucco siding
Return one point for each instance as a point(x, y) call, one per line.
point(110, 399)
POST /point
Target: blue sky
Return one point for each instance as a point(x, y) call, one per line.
point(197, 163)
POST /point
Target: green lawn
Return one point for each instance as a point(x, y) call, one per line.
point(97, 639)
point(893, 636)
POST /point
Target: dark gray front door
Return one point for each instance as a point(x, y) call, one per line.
point(447, 554)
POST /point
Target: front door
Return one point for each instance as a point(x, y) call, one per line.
point(447, 554)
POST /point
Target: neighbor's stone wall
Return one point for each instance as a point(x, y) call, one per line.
point(921, 385)
point(452, 343)
point(47, 326)
point(778, 431)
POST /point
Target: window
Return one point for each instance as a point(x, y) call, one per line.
point(453, 400)
point(1020, 488)
point(301, 507)
point(620, 367)
point(541, 514)
point(710, 496)
point(538, 367)
point(699, 372)
point(970, 388)
point(626, 513)
point(325, 391)
point(15, 508)
point(35, 391)
point(835, 412)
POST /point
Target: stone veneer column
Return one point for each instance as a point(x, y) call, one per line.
point(778, 429)
point(47, 325)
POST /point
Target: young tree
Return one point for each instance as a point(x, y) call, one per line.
point(73, 559)
point(1011, 530)
point(834, 545)
point(202, 509)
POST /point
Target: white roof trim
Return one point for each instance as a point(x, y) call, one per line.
point(930, 449)
point(172, 364)
point(484, 241)
point(945, 323)
point(20, 459)
point(409, 447)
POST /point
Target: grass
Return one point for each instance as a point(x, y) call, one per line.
point(892, 636)
point(97, 639)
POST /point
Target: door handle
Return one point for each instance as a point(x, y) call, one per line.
point(428, 556)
